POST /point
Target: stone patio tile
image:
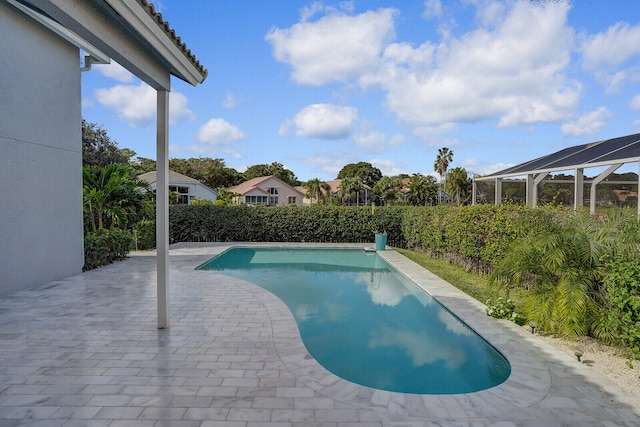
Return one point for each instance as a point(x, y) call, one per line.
point(86, 351)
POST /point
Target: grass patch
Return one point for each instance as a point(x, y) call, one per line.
point(474, 285)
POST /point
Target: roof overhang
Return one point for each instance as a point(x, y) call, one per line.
point(614, 151)
point(129, 31)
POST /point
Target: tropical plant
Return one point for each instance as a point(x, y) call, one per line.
point(422, 190)
point(348, 190)
point(459, 185)
point(562, 262)
point(367, 174)
point(318, 190)
point(440, 166)
point(389, 189)
point(112, 195)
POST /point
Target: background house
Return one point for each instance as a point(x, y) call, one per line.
point(266, 191)
point(185, 188)
point(41, 228)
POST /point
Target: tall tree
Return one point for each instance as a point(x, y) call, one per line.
point(348, 190)
point(422, 190)
point(443, 159)
point(389, 188)
point(98, 149)
point(274, 169)
point(317, 189)
point(366, 172)
point(459, 184)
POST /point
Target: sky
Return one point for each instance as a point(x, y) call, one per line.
point(316, 85)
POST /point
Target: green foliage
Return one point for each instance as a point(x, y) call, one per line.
point(211, 172)
point(621, 317)
point(504, 309)
point(476, 237)
point(365, 172)
point(103, 247)
point(100, 150)
point(561, 261)
point(112, 196)
point(317, 190)
point(276, 169)
point(145, 235)
point(316, 223)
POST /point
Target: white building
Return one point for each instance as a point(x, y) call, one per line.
point(185, 188)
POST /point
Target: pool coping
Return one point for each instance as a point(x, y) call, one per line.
point(537, 368)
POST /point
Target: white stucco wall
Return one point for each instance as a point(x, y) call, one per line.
point(41, 237)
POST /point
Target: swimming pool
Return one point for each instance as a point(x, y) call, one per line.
point(367, 323)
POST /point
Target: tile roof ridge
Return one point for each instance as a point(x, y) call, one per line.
point(164, 25)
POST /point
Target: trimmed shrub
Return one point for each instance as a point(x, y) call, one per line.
point(103, 247)
point(622, 285)
point(145, 235)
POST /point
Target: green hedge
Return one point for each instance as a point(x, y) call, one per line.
point(207, 223)
point(622, 318)
point(473, 236)
point(103, 247)
point(145, 235)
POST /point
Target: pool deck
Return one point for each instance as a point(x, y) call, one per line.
point(86, 351)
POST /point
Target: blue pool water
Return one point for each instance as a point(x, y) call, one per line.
point(365, 322)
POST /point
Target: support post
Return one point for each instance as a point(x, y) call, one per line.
point(536, 182)
point(473, 193)
point(597, 180)
point(578, 191)
point(162, 207)
point(498, 189)
point(529, 197)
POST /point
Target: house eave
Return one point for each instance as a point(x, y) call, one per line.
point(132, 11)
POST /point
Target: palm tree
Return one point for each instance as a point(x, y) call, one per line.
point(421, 189)
point(349, 188)
point(317, 189)
point(389, 188)
point(444, 158)
point(458, 183)
point(562, 262)
point(111, 193)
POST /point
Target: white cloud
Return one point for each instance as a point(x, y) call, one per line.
point(489, 169)
point(216, 137)
point(432, 9)
point(604, 53)
point(508, 73)
point(369, 140)
point(588, 123)
point(115, 71)
point(230, 101)
point(502, 71)
point(387, 167)
point(136, 104)
point(335, 48)
point(219, 131)
point(329, 163)
point(325, 121)
point(634, 104)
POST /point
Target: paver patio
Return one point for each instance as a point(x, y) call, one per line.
point(86, 351)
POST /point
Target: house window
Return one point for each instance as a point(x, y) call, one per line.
point(255, 200)
point(273, 200)
point(291, 200)
point(181, 194)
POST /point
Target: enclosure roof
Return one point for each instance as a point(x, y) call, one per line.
point(624, 149)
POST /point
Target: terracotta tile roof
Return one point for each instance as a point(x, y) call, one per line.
point(247, 186)
point(164, 25)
